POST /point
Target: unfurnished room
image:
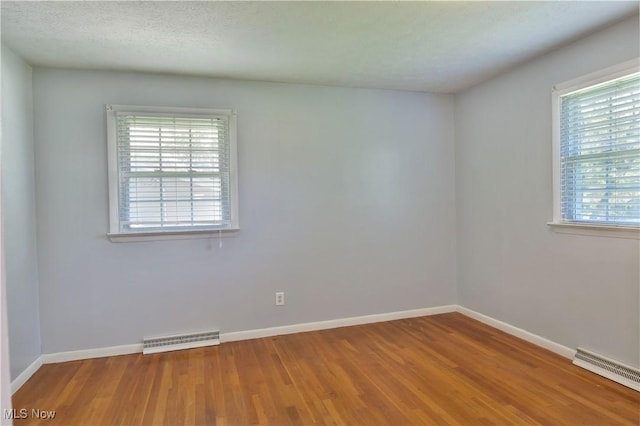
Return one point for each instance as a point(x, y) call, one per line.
point(320, 212)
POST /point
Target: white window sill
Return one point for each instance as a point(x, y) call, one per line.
point(596, 230)
point(132, 237)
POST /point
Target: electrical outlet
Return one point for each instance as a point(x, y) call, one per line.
point(280, 298)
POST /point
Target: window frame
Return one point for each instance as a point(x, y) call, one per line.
point(562, 89)
point(115, 234)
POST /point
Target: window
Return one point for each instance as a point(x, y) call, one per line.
point(597, 150)
point(171, 171)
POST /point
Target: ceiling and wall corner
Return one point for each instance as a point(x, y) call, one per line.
point(418, 46)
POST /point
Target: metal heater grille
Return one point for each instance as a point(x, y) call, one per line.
point(183, 341)
point(608, 368)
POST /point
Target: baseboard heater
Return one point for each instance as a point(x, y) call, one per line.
point(182, 341)
point(608, 368)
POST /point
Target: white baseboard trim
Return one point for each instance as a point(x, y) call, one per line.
point(518, 332)
point(325, 325)
point(300, 328)
point(227, 337)
point(91, 353)
point(26, 375)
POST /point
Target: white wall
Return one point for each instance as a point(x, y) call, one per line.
point(574, 290)
point(346, 205)
point(5, 367)
point(19, 226)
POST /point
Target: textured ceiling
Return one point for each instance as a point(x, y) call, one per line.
point(423, 46)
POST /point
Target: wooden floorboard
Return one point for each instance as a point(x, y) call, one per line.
point(441, 369)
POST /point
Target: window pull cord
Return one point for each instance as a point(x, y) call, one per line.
point(220, 238)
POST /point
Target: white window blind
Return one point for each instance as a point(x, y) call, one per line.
point(173, 171)
point(600, 153)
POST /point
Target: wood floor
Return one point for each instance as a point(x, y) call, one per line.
point(442, 369)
